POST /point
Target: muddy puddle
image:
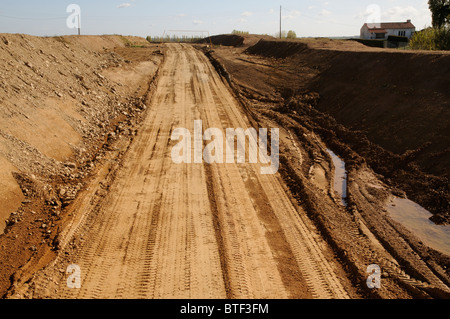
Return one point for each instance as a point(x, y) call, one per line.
point(417, 220)
point(340, 177)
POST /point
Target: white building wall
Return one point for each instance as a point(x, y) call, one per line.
point(409, 32)
point(365, 34)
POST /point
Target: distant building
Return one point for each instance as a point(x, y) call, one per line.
point(383, 30)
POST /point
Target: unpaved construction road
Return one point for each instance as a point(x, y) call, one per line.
point(167, 230)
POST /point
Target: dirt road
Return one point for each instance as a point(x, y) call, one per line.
point(169, 230)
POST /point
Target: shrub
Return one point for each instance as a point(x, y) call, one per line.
point(443, 38)
point(291, 35)
point(431, 39)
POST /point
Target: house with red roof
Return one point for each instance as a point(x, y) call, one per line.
point(381, 31)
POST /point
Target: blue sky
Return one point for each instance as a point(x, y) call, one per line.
point(148, 17)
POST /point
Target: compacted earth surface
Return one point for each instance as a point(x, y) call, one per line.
point(89, 181)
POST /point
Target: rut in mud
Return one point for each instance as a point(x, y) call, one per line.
point(277, 86)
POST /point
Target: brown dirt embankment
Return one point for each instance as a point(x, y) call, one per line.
point(277, 49)
point(227, 40)
point(234, 40)
point(282, 90)
point(390, 106)
point(61, 100)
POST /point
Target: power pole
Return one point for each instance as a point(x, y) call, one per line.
point(280, 22)
point(79, 25)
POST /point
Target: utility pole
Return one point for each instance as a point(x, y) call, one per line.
point(79, 25)
point(280, 22)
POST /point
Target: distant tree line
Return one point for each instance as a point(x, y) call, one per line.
point(190, 39)
point(174, 38)
point(286, 35)
point(237, 32)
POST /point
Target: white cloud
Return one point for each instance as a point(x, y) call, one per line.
point(247, 14)
point(371, 15)
point(419, 16)
point(398, 12)
point(324, 13)
point(197, 22)
point(124, 5)
point(292, 14)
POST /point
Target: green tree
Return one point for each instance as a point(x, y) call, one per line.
point(440, 11)
point(283, 35)
point(291, 35)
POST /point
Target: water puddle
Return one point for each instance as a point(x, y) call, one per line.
point(340, 177)
point(417, 220)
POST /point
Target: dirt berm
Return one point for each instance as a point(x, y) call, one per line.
point(294, 85)
point(227, 40)
point(85, 131)
point(63, 102)
point(389, 106)
point(234, 40)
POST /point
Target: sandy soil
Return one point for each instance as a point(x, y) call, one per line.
point(191, 231)
point(140, 226)
point(61, 102)
point(385, 104)
point(280, 90)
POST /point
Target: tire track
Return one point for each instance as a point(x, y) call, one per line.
point(311, 268)
point(194, 230)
